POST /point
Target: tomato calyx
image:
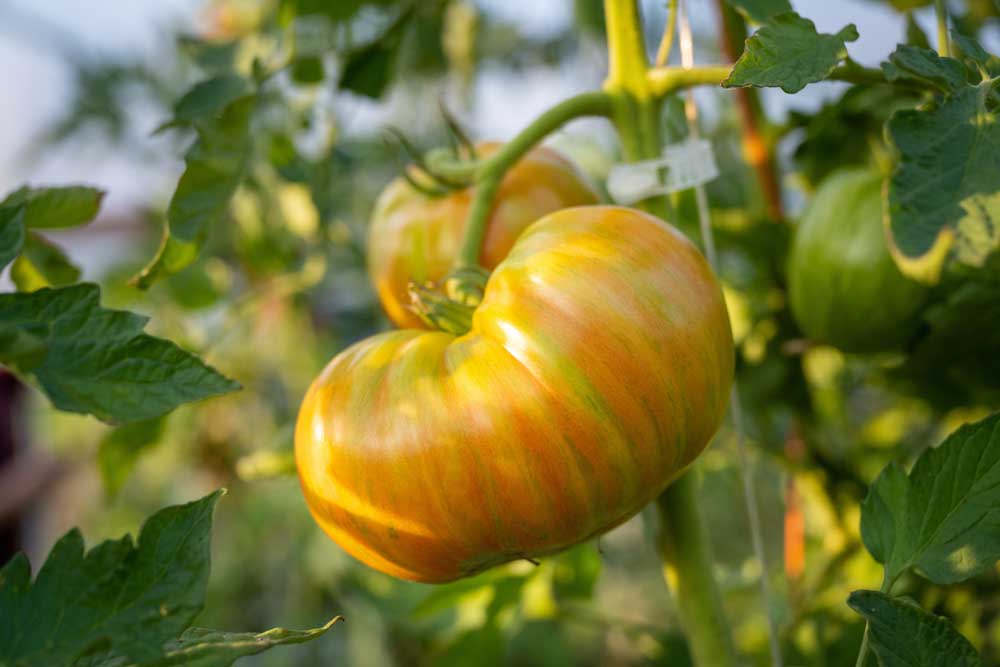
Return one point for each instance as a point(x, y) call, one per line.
point(450, 309)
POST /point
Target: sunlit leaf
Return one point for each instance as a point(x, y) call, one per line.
point(943, 519)
point(789, 53)
point(946, 184)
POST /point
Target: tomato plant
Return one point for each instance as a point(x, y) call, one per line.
point(667, 378)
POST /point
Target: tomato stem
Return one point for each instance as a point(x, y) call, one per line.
point(488, 173)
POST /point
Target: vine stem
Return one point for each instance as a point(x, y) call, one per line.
point(943, 41)
point(488, 173)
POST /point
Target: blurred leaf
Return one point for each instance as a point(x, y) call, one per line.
point(947, 366)
point(215, 166)
point(53, 207)
point(925, 67)
point(120, 449)
point(209, 55)
point(986, 62)
point(540, 644)
point(590, 16)
point(943, 519)
point(210, 98)
point(576, 572)
point(42, 264)
point(369, 69)
point(11, 233)
point(904, 635)
point(98, 361)
point(787, 52)
point(915, 35)
point(130, 599)
point(200, 285)
point(760, 11)
point(946, 184)
point(843, 131)
point(308, 70)
point(486, 644)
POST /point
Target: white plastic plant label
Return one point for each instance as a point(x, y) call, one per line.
point(682, 166)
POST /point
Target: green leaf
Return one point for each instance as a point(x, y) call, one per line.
point(986, 63)
point(946, 184)
point(760, 11)
point(120, 605)
point(369, 70)
point(42, 264)
point(903, 635)
point(787, 52)
point(11, 233)
point(129, 599)
point(120, 449)
point(944, 518)
point(210, 98)
point(308, 70)
point(885, 502)
point(215, 167)
point(50, 208)
point(925, 67)
point(947, 366)
point(915, 35)
point(98, 361)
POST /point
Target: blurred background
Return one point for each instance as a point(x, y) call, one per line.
point(281, 287)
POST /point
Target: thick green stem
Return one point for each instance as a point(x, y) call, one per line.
point(490, 172)
point(687, 566)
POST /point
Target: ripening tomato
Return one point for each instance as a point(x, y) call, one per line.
point(415, 237)
point(598, 367)
point(844, 288)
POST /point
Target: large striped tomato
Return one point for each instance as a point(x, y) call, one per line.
point(414, 237)
point(598, 366)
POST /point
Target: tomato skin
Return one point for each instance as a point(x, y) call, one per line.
point(844, 288)
point(414, 237)
point(598, 367)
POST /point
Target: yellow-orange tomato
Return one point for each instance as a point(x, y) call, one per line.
point(598, 366)
point(414, 237)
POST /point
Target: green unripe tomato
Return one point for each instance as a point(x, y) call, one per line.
point(844, 289)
